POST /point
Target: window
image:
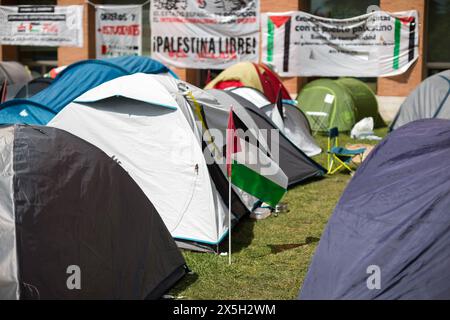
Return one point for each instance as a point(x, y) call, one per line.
point(438, 26)
point(340, 9)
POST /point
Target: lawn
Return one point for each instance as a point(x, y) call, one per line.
point(271, 256)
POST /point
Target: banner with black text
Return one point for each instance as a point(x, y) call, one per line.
point(205, 34)
point(372, 45)
point(41, 25)
point(119, 30)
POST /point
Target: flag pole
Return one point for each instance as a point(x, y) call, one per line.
point(230, 150)
point(229, 220)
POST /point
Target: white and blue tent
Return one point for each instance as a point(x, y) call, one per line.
point(147, 124)
point(72, 82)
point(136, 121)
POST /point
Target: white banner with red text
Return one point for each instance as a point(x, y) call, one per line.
point(118, 30)
point(41, 25)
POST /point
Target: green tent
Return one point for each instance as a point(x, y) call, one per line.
point(327, 104)
point(338, 103)
point(365, 101)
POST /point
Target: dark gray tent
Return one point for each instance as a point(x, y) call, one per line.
point(389, 236)
point(431, 99)
point(32, 87)
point(294, 162)
point(294, 124)
point(65, 203)
point(13, 72)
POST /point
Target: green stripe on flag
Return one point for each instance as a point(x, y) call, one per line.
point(397, 31)
point(255, 184)
point(270, 29)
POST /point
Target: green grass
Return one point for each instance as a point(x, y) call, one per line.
point(271, 256)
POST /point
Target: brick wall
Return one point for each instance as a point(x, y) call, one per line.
point(403, 84)
point(68, 55)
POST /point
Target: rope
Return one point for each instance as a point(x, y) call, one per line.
point(198, 113)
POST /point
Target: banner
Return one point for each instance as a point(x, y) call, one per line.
point(119, 30)
point(372, 45)
point(205, 34)
point(42, 25)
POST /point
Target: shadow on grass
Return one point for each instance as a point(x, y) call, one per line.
point(277, 248)
point(183, 284)
point(307, 181)
point(241, 237)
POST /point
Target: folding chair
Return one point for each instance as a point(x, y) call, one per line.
point(321, 119)
point(339, 157)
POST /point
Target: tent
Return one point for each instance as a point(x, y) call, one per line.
point(25, 91)
point(248, 74)
point(390, 229)
point(155, 138)
point(431, 99)
point(65, 205)
point(295, 126)
point(13, 72)
point(72, 82)
point(294, 163)
point(209, 118)
point(338, 103)
point(53, 73)
point(365, 100)
point(330, 99)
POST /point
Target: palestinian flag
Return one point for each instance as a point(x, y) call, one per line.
point(404, 25)
point(277, 115)
point(246, 165)
point(279, 28)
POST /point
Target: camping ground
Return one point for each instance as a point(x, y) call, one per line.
point(271, 256)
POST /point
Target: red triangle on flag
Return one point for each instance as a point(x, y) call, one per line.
point(406, 20)
point(278, 21)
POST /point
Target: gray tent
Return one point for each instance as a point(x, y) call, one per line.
point(26, 90)
point(65, 205)
point(429, 100)
point(14, 73)
point(295, 125)
point(388, 237)
point(31, 88)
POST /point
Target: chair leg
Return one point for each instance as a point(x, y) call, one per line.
point(330, 164)
point(341, 164)
point(335, 169)
point(362, 159)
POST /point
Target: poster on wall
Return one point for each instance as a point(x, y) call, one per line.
point(118, 30)
point(205, 34)
point(372, 45)
point(60, 26)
